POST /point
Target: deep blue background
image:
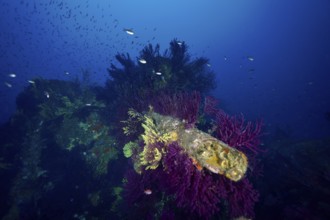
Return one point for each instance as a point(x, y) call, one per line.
point(287, 83)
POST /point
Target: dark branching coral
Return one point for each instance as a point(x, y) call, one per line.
point(176, 72)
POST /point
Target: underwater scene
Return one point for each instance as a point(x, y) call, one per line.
point(164, 110)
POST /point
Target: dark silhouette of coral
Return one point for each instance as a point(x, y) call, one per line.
point(171, 72)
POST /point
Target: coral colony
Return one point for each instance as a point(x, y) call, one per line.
point(187, 168)
point(187, 159)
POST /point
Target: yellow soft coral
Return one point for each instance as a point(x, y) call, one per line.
point(152, 134)
point(150, 158)
point(207, 151)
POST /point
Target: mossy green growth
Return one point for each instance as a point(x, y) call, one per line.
point(116, 192)
point(70, 134)
point(91, 137)
point(129, 148)
point(134, 119)
point(100, 155)
point(67, 103)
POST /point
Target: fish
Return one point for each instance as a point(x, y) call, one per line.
point(47, 94)
point(143, 61)
point(157, 72)
point(8, 85)
point(129, 31)
point(31, 82)
point(148, 192)
point(250, 58)
point(12, 75)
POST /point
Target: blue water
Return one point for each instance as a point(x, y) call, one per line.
point(286, 84)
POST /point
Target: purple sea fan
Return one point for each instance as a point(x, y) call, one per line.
point(167, 214)
point(210, 105)
point(141, 193)
point(237, 133)
point(234, 130)
point(197, 192)
point(133, 188)
point(241, 199)
point(136, 185)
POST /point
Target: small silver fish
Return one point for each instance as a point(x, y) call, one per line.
point(8, 85)
point(148, 192)
point(143, 61)
point(129, 31)
point(250, 58)
point(12, 75)
point(47, 94)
